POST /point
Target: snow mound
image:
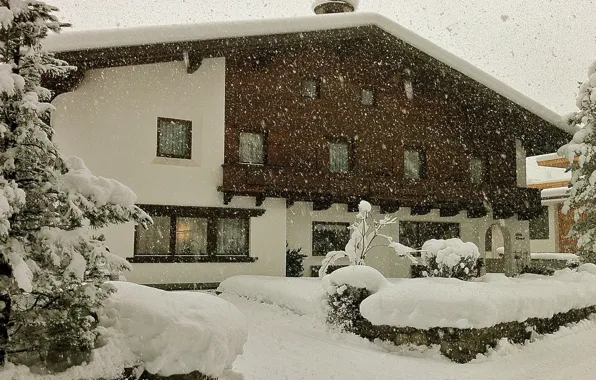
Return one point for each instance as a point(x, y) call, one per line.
point(449, 252)
point(446, 302)
point(358, 276)
point(587, 268)
point(173, 332)
point(99, 189)
point(303, 296)
point(553, 256)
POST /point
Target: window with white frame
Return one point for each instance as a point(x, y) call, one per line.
point(329, 236)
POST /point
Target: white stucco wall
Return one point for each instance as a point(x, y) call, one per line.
point(299, 234)
point(111, 122)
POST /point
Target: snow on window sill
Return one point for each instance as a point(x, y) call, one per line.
point(156, 259)
point(174, 162)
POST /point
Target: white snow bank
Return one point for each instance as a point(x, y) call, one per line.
point(99, 189)
point(358, 276)
point(174, 332)
point(553, 256)
point(587, 267)
point(444, 302)
point(301, 295)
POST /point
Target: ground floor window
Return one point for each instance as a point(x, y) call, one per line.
point(329, 236)
point(414, 234)
point(181, 234)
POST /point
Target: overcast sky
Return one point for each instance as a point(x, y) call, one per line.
point(542, 48)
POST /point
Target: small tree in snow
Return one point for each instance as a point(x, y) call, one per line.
point(54, 270)
point(582, 197)
point(365, 231)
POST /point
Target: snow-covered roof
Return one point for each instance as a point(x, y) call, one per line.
point(94, 39)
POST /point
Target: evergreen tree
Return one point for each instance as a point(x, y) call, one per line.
point(52, 271)
point(582, 199)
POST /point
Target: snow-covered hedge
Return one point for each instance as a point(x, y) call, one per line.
point(463, 317)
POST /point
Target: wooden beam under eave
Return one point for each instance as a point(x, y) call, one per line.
point(64, 84)
point(560, 162)
point(321, 204)
point(549, 185)
point(420, 210)
point(192, 60)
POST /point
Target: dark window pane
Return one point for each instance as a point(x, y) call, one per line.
point(155, 240)
point(191, 236)
point(539, 226)
point(415, 234)
point(174, 138)
point(232, 237)
point(252, 148)
point(328, 237)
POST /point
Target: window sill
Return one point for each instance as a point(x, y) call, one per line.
point(156, 259)
point(174, 161)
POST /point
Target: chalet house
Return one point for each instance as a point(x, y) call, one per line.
point(241, 137)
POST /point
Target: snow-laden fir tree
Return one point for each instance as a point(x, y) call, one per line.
point(582, 198)
point(54, 269)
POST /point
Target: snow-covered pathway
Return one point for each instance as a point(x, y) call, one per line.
point(286, 346)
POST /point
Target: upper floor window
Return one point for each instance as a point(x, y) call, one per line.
point(539, 229)
point(174, 138)
point(477, 171)
point(415, 164)
point(339, 157)
point(367, 97)
point(252, 148)
point(311, 88)
point(329, 236)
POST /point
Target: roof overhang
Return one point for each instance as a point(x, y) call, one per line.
point(73, 41)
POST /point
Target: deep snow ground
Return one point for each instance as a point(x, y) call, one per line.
point(286, 346)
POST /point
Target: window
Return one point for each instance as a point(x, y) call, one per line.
point(311, 88)
point(539, 226)
point(339, 157)
point(252, 148)
point(414, 164)
point(174, 138)
point(415, 234)
point(477, 170)
point(329, 236)
point(367, 97)
point(190, 234)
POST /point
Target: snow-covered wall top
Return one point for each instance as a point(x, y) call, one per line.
point(206, 31)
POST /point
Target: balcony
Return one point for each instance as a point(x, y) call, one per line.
point(324, 189)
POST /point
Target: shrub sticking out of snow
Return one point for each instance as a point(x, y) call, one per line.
point(450, 258)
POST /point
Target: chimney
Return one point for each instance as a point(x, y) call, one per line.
point(334, 6)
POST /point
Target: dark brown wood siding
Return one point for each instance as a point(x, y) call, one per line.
point(447, 117)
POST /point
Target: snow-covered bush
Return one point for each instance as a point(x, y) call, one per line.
point(364, 231)
point(582, 198)
point(450, 258)
point(53, 282)
point(294, 262)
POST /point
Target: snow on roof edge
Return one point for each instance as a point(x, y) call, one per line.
point(94, 39)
